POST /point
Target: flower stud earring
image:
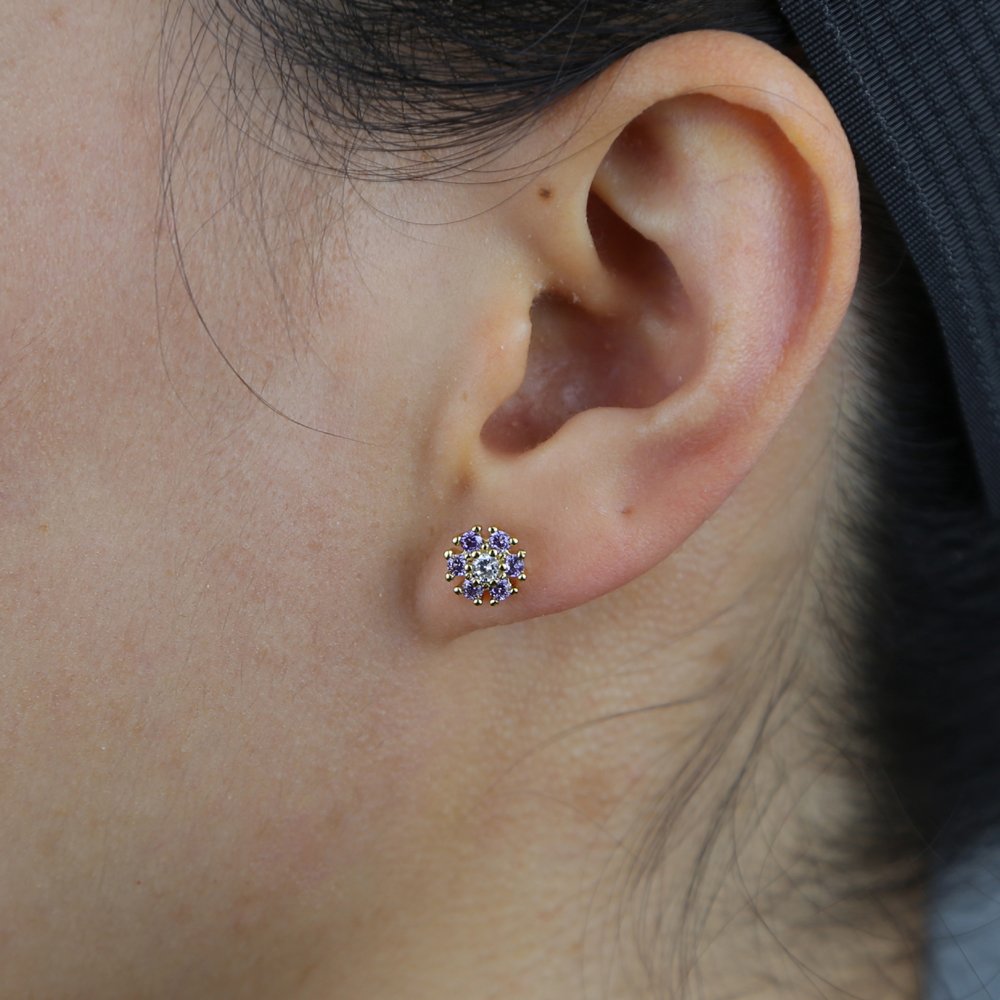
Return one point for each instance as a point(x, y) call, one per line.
point(487, 563)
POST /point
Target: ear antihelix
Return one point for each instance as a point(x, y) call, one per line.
point(629, 347)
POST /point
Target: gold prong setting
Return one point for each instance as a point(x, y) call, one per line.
point(488, 564)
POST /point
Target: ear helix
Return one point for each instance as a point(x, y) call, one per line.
point(487, 563)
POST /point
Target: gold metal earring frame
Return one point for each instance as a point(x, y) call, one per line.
point(488, 564)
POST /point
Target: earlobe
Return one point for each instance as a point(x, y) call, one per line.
point(685, 285)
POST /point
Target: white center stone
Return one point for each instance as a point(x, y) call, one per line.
point(483, 568)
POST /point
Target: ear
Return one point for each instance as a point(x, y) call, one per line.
point(680, 273)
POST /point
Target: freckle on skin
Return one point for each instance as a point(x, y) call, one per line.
point(57, 16)
point(545, 193)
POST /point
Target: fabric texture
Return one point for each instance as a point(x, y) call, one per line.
point(963, 931)
point(916, 84)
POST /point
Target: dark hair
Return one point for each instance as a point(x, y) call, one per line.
point(912, 602)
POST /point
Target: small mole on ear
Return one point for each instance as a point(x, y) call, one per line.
point(545, 193)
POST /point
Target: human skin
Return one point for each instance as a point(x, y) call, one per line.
point(251, 744)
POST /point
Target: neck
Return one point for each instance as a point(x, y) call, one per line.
point(665, 814)
point(668, 810)
point(660, 852)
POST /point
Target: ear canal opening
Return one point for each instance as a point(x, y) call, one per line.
point(579, 359)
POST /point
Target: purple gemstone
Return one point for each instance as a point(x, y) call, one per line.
point(471, 540)
point(473, 591)
point(515, 565)
point(500, 540)
point(456, 565)
point(501, 591)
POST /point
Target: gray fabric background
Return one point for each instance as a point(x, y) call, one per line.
point(964, 932)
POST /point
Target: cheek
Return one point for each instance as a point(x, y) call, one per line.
point(79, 171)
point(206, 772)
point(204, 644)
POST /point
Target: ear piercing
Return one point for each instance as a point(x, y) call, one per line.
point(487, 563)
